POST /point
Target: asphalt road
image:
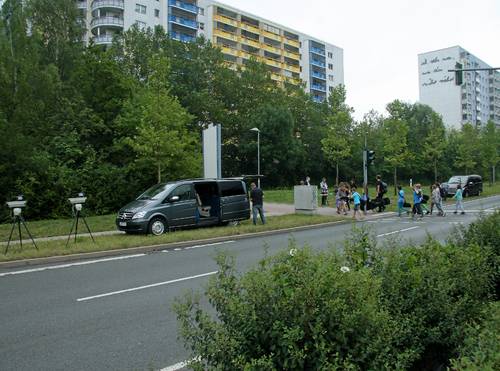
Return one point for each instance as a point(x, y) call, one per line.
point(115, 314)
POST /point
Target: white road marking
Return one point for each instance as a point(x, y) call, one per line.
point(394, 232)
point(145, 287)
point(71, 264)
point(208, 244)
point(175, 367)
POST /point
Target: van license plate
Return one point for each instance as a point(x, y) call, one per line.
point(123, 224)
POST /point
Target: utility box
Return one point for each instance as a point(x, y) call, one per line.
point(305, 199)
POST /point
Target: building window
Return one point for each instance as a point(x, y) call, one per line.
point(202, 25)
point(330, 77)
point(270, 29)
point(201, 11)
point(331, 89)
point(330, 55)
point(139, 8)
point(140, 25)
point(157, 13)
point(330, 66)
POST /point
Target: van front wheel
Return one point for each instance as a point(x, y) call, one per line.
point(157, 226)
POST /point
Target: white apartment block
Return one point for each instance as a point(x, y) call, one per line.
point(290, 55)
point(476, 101)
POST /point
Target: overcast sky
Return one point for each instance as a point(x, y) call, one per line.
point(381, 38)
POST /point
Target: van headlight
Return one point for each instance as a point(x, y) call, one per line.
point(139, 215)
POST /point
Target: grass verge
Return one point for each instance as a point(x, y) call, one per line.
point(105, 243)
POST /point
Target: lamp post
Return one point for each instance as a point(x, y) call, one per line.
point(258, 154)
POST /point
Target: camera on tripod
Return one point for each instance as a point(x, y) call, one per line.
point(77, 206)
point(16, 208)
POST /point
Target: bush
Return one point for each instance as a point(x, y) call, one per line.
point(406, 308)
point(480, 347)
point(292, 312)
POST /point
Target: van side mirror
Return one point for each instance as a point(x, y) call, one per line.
point(174, 199)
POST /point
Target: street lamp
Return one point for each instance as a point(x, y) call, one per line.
point(258, 154)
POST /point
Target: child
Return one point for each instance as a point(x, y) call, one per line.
point(459, 197)
point(357, 202)
point(437, 200)
point(417, 201)
point(401, 201)
point(324, 192)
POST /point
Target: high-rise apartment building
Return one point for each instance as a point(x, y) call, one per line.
point(476, 101)
point(290, 55)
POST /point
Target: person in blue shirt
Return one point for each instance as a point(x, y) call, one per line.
point(401, 201)
point(357, 202)
point(417, 201)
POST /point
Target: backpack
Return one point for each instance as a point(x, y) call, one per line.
point(442, 192)
point(384, 187)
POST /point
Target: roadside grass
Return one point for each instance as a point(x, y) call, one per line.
point(59, 227)
point(122, 241)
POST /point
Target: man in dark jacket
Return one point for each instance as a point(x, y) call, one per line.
point(257, 196)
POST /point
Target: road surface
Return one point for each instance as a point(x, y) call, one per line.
point(115, 313)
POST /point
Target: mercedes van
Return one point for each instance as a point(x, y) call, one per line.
point(185, 203)
point(472, 185)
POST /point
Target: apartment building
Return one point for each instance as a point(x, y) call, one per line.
point(290, 55)
point(476, 101)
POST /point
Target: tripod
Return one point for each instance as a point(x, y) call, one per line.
point(76, 218)
point(18, 220)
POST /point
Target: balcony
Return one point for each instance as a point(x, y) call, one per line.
point(291, 42)
point(183, 22)
point(246, 40)
point(318, 75)
point(291, 55)
point(179, 36)
point(272, 62)
point(317, 51)
point(103, 39)
point(317, 63)
point(184, 6)
point(271, 49)
point(82, 5)
point(116, 4)
point(318, 98)
point(107, 21)
point(226, 20)
point(291, 67)
point(318, 87)
point(225, 34)
point(271, 35)
point(250, 28)
point(276, 77)
point(230, 51)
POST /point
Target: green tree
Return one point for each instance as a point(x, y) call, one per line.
point(435, 145)
point(396, 153)
point(336, 144)
point(161, 127)
point(490, 147)
point(468, 148)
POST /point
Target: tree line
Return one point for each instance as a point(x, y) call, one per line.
point(111, 122)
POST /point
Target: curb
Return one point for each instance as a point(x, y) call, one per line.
point(171, 246)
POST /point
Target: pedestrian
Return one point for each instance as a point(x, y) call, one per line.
point(417, 201)
point(347, 198)
point(401, 201)
point(381, 189)
point(356, 198)
point(257, 198)
point(308, 181)
point(458, 198)
point(432, 187)
point(341, 194)
point(352, 183)
point(364, 200)
point(437, 200)
point(324, 192)
point(302, 182)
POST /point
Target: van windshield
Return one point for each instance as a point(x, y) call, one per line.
point(456, 180)
point(156, 192)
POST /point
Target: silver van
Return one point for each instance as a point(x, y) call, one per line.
point(186, 203)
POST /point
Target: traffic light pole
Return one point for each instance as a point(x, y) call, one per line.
point(365, 173)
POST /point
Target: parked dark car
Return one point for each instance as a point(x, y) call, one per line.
point(472, 185)
point(186, 203)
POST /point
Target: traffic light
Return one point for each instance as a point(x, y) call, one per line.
point(370, 157)
point(459, 75)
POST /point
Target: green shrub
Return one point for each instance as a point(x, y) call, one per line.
point(432, 291)
point(480, 349)
point(292, 312)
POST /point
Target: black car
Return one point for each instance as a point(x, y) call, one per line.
point(186, 203)
point(472, 185)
